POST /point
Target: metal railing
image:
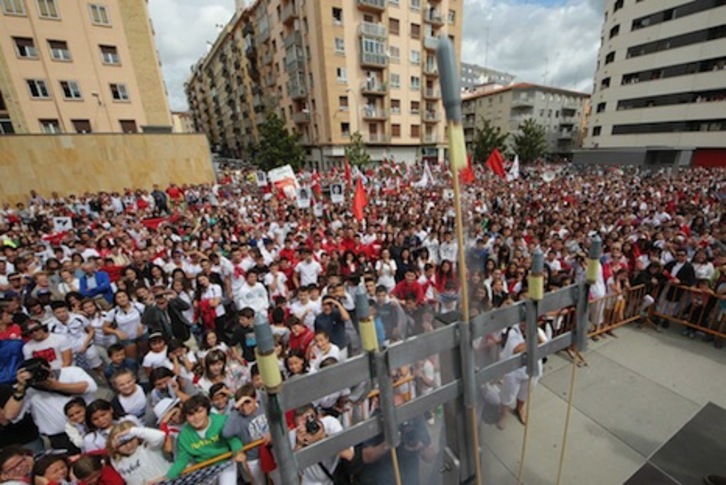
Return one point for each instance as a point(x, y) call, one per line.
point(373, 29)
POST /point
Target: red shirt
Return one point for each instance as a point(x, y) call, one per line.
point(403, 288)
point(301, 341)
point(13, 332)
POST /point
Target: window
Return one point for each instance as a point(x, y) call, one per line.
point(50, 126)
point(339, 46)
point(25, 47)
point(337, 16)
point(415, 131)
point(109, 54)
point(6, 126)
point(618, 5)
point(82, 126)
point(47, 9)
point(415, 107)
point(343, 102)
point(59, 50)
point(415, 57)
point(614, 31)
point(415, 83)
point(396, 131)
point(415, 31)
point(396, 106)
point(596, 130)
point(415, 4)
point(71, 90)
point(128, 126)
point(452, 16)
point(38, 89)
point(610, 57)
point(394, 26)
point(601, 107)
point(99, 14)
point(119, 93)
point(341, 75)
point(395, 81)
point(605, 83)
point(345, 129)
point(13, 7)
point(394, 54)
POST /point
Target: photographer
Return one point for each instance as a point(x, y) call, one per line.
point(311, 428)
point(415, 443)
point(43, 393)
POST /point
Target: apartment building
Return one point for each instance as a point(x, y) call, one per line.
point(79, 66)
point(473, 75)
point(329, 68)
point(660, 86)
point(559, 111)
point(182, 122)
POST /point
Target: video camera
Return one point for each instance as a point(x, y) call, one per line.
point(38, 369)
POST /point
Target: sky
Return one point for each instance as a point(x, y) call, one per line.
point(551, 42)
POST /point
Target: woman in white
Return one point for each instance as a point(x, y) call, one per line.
point(68, 282)
point(386, 270)
point(124, 321)
point(184, 289)
point(101, 340)
point(209, 293)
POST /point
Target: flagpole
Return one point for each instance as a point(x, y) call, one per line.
point(451, 97)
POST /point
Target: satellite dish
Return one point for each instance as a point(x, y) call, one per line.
point(548, 176)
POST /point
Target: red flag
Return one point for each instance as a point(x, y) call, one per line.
point(348, 176)
point(360, 200)
point(316, 183)
point(496, 163)
point(467, 174)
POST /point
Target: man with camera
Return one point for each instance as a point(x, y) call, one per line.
point(311, 428)
point(43, 392)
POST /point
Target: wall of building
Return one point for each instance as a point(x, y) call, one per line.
point(96, 162)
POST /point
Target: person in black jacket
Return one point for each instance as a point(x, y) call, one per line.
point(166, 315)
point(681, 273)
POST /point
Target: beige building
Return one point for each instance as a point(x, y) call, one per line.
point(559, 111)
point(79, 66)
point(660, 87)
point(329, 68)
point(182, 122)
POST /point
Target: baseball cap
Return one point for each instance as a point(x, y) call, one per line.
point(154, 335)
point(164, 406)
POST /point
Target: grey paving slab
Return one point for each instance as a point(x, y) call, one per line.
point(594, 456)
point(691, 368)
point(641, 413)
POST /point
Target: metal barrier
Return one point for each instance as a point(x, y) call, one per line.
point(615, 310)
point(699, 309)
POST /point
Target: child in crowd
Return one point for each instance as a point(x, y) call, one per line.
point(130, 397)
point(201, 439)
point(249, 424)
point(75, 411)
point(221, 397)
point(100, 418)
point(95, 470)
point(119, 362)
point(136, 453)
point(323, 349)
point(215, 370)
point(296, 364)
point(301, 337)
point(182, 359)
point(156, 357)
point(52, 470)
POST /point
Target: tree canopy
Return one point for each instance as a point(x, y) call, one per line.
point(530, 143)
point(487, 137)
point(278, 146)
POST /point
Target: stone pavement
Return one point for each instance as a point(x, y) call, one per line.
point(637, 392)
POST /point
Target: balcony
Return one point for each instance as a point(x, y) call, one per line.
point(294, 64)
point(565, 134)
point(430, 69)
point(523, 102)
point(433, 17)
point(270, 81)
point(370, 59)
point(251, 51)
point(289, 13)
point(257, 101)
point(377, 138)
point(293, 39)
point(260, 118)
point(263, 35)
point(298, 91)
point(373, 88)
point(373, 113)
point(432, 117)
point(431, 43)
point(431, 93)
point(372, 5)
point(248, 29)
point(301, 118)
point(430, 138)
point(267, 59)
point(371, 29)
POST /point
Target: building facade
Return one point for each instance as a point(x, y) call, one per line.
point(473, 75)
point(329, 68)
point(660, 86)
point(79, 66)
point(182, 122)
point(560, 112)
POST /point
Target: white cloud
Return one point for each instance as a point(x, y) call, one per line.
point(525, 38)
point(531, 39)
point(183, 28)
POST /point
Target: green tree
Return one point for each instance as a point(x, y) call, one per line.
point(278, 146)
point(530, 143)
point(356, 151)
point(487, 137)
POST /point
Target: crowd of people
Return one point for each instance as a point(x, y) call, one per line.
point(127, 342)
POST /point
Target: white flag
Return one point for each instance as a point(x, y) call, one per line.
point(514, 170)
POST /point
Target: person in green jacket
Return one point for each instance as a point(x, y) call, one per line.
point(201, 439)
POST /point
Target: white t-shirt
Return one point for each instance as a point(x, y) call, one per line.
point(157, 359)
point(135, 404)
point(214, 291)
point(317, 355)
point(314, 474)
point(308, 272)
point(254, 297)
point(74, 329)
point(387, 273)
point(278, 289)
point(50, 349)
point(46, 408)
point(298, 309)
point(127, 321)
